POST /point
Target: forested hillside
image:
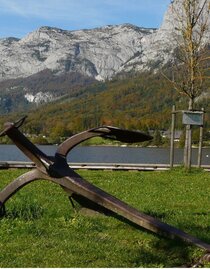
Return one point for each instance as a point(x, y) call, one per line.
point(139, 102)
point(43, 87)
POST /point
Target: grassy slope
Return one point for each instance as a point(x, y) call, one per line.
point(41, 229)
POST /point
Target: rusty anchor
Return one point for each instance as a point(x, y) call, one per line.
point(56, 169)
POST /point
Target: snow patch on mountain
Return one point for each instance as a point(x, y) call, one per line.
point(40, 97)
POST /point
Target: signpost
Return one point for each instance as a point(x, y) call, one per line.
point(189, 118)
point(192, 118)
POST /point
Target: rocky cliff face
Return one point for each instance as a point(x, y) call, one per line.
point(158, 47)
point(98, 53)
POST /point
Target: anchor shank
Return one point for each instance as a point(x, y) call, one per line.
point(78, 185)
point(28, 148)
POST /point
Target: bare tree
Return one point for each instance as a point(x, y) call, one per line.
point(191, 29)
point(191, 34)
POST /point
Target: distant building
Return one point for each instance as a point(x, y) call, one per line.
point(177, 134)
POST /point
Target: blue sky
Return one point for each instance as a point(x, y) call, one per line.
point(19, 17)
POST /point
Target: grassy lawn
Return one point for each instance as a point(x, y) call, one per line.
point(41, 229)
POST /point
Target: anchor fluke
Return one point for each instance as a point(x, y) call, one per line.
point(122, 135)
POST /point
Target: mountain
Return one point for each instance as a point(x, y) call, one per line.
point(98, 53)
point(42, 87)
point(158, 48)
point(50, 62)
point(84, 56)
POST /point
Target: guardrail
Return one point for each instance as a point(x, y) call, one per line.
point(100, 166)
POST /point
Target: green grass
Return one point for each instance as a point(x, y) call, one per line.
point(40, 229)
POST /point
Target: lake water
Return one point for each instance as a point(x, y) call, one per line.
point(108, 154)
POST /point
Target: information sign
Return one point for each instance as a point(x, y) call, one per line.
point(192, 118)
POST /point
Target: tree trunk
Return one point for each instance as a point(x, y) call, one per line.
point(172, 136)
point(200, 141)
point(188, 141)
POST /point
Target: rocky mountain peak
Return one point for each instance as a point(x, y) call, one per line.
point(99, 53)
point(158, 48)
point(49, 62)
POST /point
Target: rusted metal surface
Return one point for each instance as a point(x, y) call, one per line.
point(56, 169)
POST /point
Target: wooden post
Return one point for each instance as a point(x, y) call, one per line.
point(188, 141)
point(172, 137)
point(200, 141)
point(189, 147)
point(186, 146)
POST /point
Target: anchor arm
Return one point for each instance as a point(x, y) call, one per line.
point(18, 184)
point(108, 132)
